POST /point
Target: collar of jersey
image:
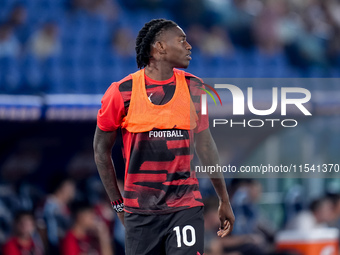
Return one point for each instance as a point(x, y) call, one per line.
point(151, 81)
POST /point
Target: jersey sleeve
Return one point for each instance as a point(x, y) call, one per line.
point(112, 111)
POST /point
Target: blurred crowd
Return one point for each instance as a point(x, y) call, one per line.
point(254, 233)
point(67, 219)
point(77, 218)
point(307, 31)
point(81, 46)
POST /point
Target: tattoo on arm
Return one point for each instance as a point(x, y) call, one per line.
point(102, 145)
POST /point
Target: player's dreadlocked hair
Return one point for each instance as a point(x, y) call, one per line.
point(146, 37)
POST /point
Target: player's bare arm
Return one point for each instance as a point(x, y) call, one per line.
point(102, 145)
point(207, 152)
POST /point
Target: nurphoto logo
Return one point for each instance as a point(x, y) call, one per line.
point(238, 106)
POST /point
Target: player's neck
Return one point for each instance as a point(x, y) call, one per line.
point(159, 72)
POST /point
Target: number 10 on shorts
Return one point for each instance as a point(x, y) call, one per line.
point(184, 235)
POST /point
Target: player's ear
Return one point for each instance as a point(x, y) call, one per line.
point(160, 47)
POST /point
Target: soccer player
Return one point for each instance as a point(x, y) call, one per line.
point(158, 111)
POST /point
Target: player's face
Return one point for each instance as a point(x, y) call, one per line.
point(178, 50)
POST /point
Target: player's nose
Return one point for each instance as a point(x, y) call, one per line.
point(188, 46)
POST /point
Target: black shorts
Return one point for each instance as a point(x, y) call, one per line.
point(179, 233)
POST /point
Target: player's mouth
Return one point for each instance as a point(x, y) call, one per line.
point(188, 56)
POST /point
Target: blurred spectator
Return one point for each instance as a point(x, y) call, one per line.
point(24, 240)
point(189, 12)
point(16, 172)
point(265, 27)
point(9, 44)
point(211, 222)
point(88, 235)
point(252, 233)
point(303, 34)
point(215, 42)
point(80, 4)
point(195, 33)
point(123, 42)
point(55, 212)
point(320, 213)
point(307, 32)
point(108, 8)
point(335, 199)
point(101, 202)
point(332, 9)
point(245, 207)
point(5, 220)
point(18, 21)
point(216, 248)
point(238, 21)
point(293, 202)
point(97, 196)
point(45, 42)
point(18, 16)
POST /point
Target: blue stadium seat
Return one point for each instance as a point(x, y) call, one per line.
point(10, 75)
point(196, 66)
point(31, 71)
point(228, 66)
point(5, 8)
point(83, 32)
point(270, 66)
point(73, 79)
point(52, 78)
point(114, 69)
point(335, 72)
point(317, 72)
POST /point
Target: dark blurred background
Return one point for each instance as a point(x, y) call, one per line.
point(57, 58)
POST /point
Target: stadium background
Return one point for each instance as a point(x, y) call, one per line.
point(58, 57)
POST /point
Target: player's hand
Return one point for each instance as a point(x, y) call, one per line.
point(121, 217)
point(227, 219)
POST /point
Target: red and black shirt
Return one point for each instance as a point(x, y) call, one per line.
point(157, 175)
